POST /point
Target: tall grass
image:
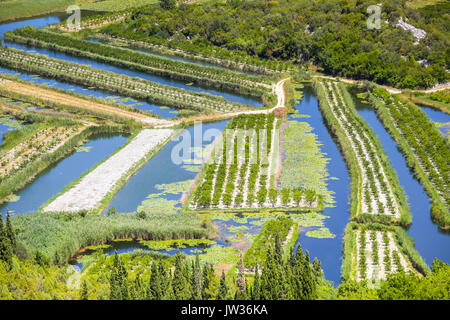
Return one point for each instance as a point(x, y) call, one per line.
point(66, 234)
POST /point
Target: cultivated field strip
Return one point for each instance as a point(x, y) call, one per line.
point(377, 255)
point(377, 192)
point(428, 146)
point(88, 193)
point(113, 82)
point(236, 65)
point(93, 22)
point(42, 141)
point(52, 97)
point(240, 172)
point(151, 64)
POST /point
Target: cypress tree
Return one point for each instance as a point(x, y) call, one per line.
point(84, 291)
point(180, 282)
point(241, 282)
point(118, 280)
point(155, 289)
point(278, 249)
point(5, 245)
point(114, 287)
point(317, 269)
point(165, 278)
point(223, 289)
point(256, 294)
point(170, 291)
point(270, 277)
point(10, 231)
point(196, 280)
point(309, 283)
point(206, 283)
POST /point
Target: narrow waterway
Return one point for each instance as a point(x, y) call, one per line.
point(327, 250)
point(429, 240)
point(441, 119)
point(55, 178)
point(161, 170)
point(7, 124)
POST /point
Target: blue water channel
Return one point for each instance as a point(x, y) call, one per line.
point(328, 250)
point(55, 178)
point(439, 117)
point(160, 170)
point(7, 124)
point(429, 240)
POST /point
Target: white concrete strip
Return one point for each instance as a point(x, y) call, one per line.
point(90, 191)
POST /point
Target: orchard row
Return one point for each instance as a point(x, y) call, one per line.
point(240, 173)
point(113, 82)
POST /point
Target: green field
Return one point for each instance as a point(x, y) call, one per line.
point(112, 5)
point(15, 9)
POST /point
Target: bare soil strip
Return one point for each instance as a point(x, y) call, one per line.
point(93, 188)
point(58, 97)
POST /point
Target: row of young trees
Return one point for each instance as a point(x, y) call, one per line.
point(45, 139)
point(162, 47)
point(429, 145)
point(241, 172)
point(426, 149)
point(115, 83)
point(281, 277)
point(152, 64)
point(391, 257)
point(374, 174)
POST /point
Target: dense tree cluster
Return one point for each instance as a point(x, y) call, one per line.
point(280, 277)
point(330, 34)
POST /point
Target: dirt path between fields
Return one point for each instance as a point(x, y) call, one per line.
point(66, 99)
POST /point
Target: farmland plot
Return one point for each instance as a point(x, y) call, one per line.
point(115, 83)
point(152, 64)
point(376, 188)
point(427, 151)
point(378, 254)
point(240, 172)
point(89, 192)
point(43, 140)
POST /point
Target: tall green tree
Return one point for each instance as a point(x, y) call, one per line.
point(84, 291)
point(196, 280)
point(6, 251)
point(223, 288)
point(241, 284)
point(10, 231)
point(180, 282)
point(155, 290)
point(168, 4)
